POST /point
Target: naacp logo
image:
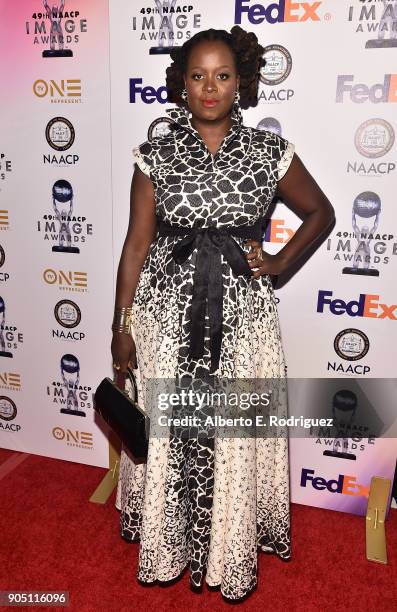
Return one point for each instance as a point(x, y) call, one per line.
point(159, 127)
point(8, 409)
point(374, 138)
point(2, 256)
point(270, 124)
point(67, 313)
point(351, 344)
point(60, 133)
point(278, 65)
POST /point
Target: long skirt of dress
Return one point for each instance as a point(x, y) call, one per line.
point(210, 506)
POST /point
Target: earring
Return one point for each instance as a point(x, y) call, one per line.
point(184, 95)
point(237, 97)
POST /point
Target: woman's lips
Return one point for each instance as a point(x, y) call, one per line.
point(210, 103)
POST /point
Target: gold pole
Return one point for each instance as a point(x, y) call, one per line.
point(109, 481)
point(375, 519)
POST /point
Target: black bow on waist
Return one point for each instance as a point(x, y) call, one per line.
point(210, 242)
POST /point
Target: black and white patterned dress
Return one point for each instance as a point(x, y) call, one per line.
point(210, 508)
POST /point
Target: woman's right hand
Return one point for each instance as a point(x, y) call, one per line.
point(124, 351)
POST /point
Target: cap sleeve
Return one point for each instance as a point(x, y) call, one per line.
point(287, 153)
point(143, 157)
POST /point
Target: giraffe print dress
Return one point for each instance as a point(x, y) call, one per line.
point(207, 506)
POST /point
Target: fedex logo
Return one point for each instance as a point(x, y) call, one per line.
point(147, 94)
point(276, 12)
point(367, 305)
point(359, 93)
point(345, 485)
point(276, 231)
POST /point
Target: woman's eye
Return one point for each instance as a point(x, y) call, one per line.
point(223, 76)
point(196, 76)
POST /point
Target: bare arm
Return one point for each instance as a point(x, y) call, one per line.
point(140, 235)
point(302, 195)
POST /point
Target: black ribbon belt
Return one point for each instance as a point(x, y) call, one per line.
point(210, 242)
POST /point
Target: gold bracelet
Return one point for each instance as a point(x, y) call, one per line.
point(122, 320)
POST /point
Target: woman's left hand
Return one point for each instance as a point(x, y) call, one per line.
point(265, 263)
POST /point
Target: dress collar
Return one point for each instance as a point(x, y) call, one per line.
point(182, 118)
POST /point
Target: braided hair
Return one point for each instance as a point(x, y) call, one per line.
point(248, 56)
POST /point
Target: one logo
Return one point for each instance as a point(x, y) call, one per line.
point(64, 91)
point(74, 438)
point(359, 93)
point(351, 344)
point(167, 25)
point(367, 305)
point(10, 380)
point(270, 124)
point(374, 138)
point(147, 94)
point(278, 65)
point(8, 409)
point(159, 127)
point(344, 484)
point(4, 220)
point(60, 133)
point(278, 11)
point(2, 256)
point(66, 281)
point(67, 313)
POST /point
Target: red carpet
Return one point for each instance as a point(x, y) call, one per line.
point(53, 538)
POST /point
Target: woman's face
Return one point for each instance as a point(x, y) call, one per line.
point(211, 80)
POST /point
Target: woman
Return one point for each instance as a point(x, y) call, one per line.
point(203, 303)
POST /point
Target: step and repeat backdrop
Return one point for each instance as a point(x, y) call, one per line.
point(84, 83)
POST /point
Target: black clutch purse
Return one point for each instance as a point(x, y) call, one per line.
point(123, 414)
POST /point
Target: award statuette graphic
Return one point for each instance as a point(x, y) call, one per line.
point(344, 405)
point(3, 352)
point(366, 205)
point(386, 25)
point(166, 29)
point(62, 202)
point(70, 371)
point(55, 14)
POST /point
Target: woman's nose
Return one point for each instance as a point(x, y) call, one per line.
point(209, 85)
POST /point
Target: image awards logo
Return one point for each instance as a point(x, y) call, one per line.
point(366, 206)
point(3, 328)
point(57, 43)
point(387, 27)
point(379, 18)
point(70, 372)
point(270, 124)
point(166, 23)
point(71, 228)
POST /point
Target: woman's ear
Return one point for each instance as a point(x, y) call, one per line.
point(238, 82)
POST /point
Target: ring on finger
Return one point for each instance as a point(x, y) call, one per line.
point(116, 366)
